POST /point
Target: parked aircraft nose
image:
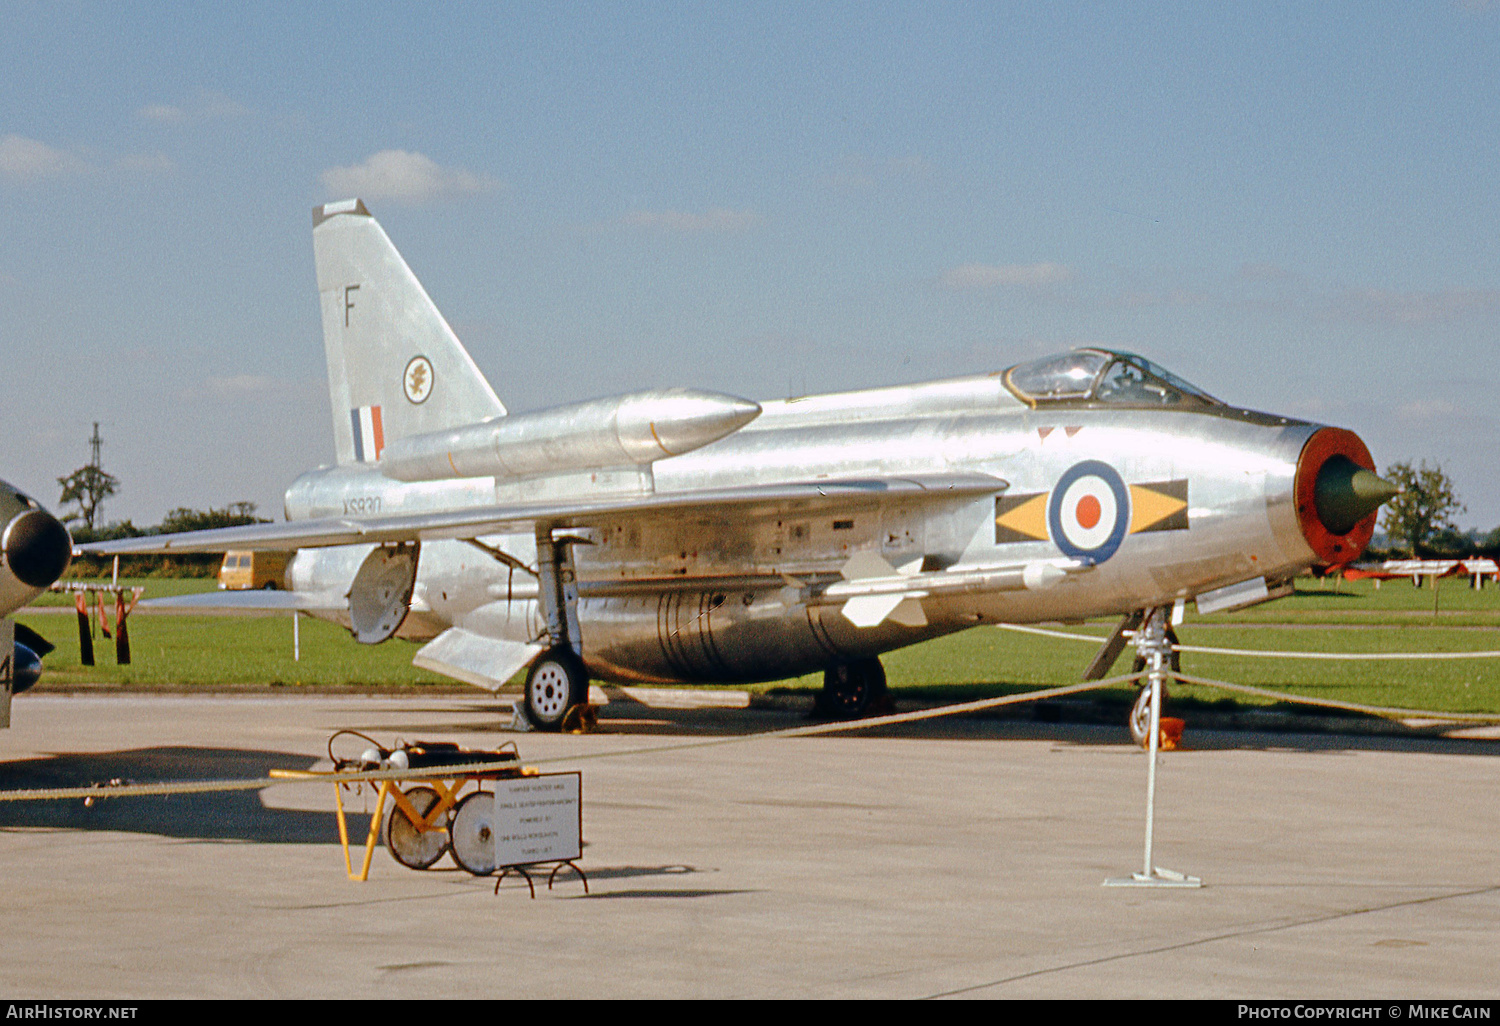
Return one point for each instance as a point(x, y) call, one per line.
point(37, 548)
point(1338, 494)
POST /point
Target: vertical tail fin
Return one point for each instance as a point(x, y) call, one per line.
point(395, 368)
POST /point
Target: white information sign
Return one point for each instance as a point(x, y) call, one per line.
point(538, 819)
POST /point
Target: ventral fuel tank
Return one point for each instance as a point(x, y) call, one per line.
point(619, 431)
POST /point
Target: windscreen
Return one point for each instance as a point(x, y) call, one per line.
point(1103, 376)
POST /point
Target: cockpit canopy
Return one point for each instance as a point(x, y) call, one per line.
point(1102, 376)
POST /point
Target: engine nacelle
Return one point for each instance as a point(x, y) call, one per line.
point(620, 431)
point(35, 549)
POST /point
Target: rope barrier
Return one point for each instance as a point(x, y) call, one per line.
point(1263, 653)
point(211, 786)
point(1333, 703)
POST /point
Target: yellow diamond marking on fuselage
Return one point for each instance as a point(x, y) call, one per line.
point(1029, 518)
point(1152, 504)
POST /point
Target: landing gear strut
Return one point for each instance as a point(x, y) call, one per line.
point(850, 688)
point(558, 680)
point(1140, 713)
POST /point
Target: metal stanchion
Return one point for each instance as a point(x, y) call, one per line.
point(1151, 642)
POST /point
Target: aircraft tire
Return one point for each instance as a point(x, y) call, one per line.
point(850, 688)
point(412, 848)
point(556, 683)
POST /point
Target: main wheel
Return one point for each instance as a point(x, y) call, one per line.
point(413, 848)
point(849, 688)
point(473, 833)
point(556, 683)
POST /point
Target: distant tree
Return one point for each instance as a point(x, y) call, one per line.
point(1424, 509)
point(109, 532)
point(232, 515)
point(88, 486)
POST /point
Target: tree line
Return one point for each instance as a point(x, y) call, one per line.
point(1419, 521)
point(180, 519)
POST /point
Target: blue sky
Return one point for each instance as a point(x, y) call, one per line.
point(1294, 206)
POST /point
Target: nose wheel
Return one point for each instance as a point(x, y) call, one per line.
point(1140, 712)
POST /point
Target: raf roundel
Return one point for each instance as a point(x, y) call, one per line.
point(417, 380)
point(1089, 511)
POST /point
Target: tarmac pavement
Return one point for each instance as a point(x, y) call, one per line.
point(950, 858)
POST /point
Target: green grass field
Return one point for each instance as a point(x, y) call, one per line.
point(257, 650)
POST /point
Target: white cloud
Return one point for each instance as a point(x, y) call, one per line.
point(857, 172)
point(404, 177)
point(206, 106)
point(1393, 307)
point(27, 160)
point(163, 112)
point(146, 163)
point(992, 276)
point(1264, 271)
point(717, 219)
point(1168, 297)
point(1427, 409)
point(241, 384)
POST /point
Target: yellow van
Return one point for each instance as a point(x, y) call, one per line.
point(243, 570)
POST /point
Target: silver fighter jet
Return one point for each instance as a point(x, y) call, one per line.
point(687, 536)
point(35, 549)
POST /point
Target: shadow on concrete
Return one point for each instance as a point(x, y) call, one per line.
point(1058, 725)
point(221, 816)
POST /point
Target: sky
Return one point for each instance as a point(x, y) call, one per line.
point(1293, 206)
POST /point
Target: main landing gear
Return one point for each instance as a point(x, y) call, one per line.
point(558, 681)
point(851, 689)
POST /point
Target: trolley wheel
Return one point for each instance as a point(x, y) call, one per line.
point(473, 833)
point(849, 688)
point(413, 848)
point(556, 683)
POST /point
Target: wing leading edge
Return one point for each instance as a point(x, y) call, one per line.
point(754, 500)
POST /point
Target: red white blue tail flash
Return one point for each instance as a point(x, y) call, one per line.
point(369, 435)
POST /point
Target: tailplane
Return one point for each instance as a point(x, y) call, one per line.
point(395, 368)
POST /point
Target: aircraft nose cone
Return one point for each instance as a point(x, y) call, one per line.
point(1346, 493)
point(37, 548)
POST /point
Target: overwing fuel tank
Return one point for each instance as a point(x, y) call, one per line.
point(618, 431)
